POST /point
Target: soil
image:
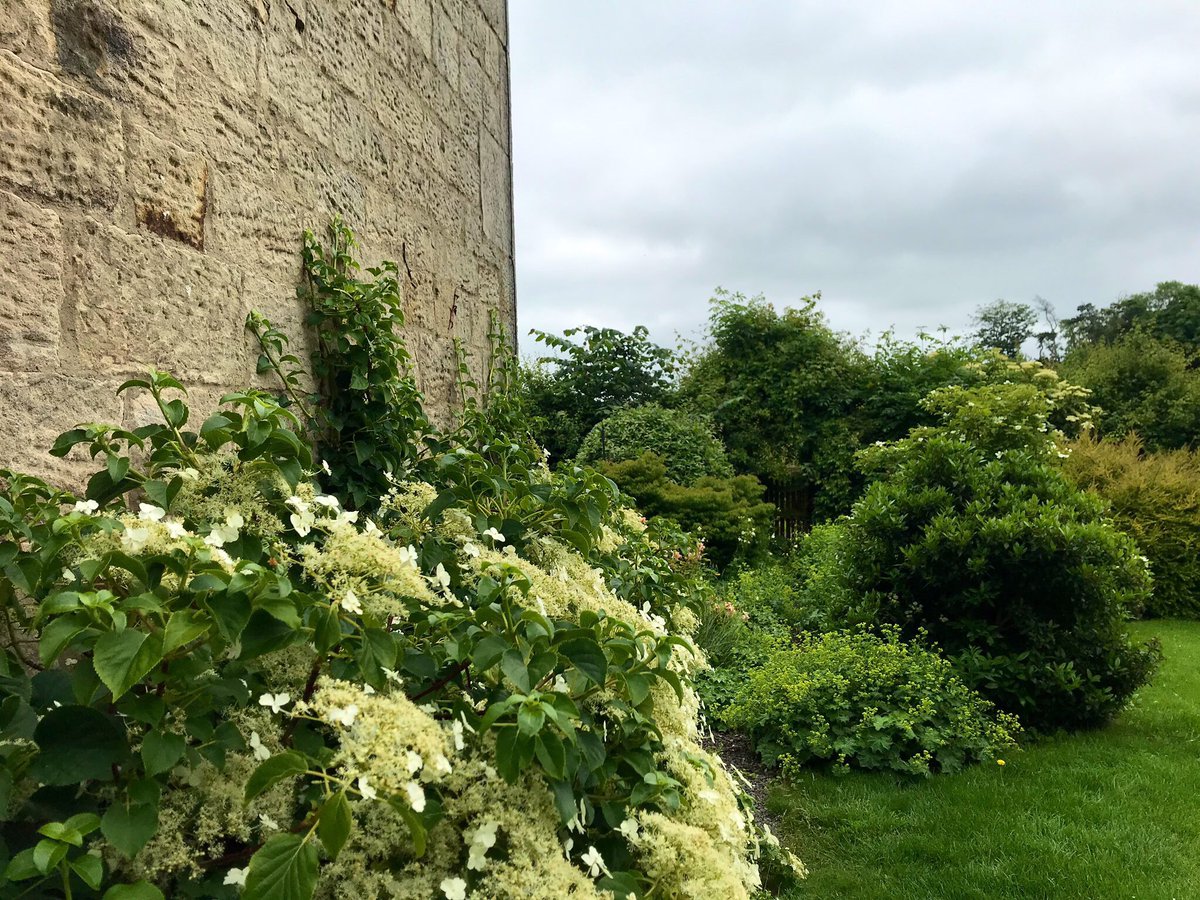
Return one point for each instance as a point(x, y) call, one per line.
point(737, 751)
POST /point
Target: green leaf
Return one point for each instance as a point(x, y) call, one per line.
point(128, 828)
point(182, 628)
point(57, 636)
point(140, 891)
point(160, 751)
point(586, 655)
point(416, 827)
point(60, 831)
point(48, 854)
point(89, 869)
point(334, 824)
point(21, 867)
point(487, 653)
point(84, 823)
point(513, 666)
point(285, 868)
point(123, 658)
point(78, 743)
point(530, 717)
point(272, 771)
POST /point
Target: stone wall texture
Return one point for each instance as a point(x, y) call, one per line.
point(159, 160)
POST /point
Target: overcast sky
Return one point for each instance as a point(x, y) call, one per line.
point(909, 160)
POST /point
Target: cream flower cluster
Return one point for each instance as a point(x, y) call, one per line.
point(387, 744)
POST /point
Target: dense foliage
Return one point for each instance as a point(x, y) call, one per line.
point(1142, 385)
point(1170, 312)
point(1155, 498)
point(974, 536)
point(233, 685)
point(780, 388)
point(569, 393)
point(858, 699)
point(684, 442)
point(728, 514)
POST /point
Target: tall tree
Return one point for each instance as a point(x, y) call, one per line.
point(1004, 325)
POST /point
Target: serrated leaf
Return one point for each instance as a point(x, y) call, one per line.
point(285, 868)
point(123, 658)
point(128, 828)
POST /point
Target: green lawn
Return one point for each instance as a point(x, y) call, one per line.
point(1108, 814)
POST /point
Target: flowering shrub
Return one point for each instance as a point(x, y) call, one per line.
point(975, 536)
point(222, 683)
point(856, 699)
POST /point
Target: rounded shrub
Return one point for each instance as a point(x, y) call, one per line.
point(980, 540)
point(1155, 498)
point(684, 442)
point(857, 699)
point(728, 514)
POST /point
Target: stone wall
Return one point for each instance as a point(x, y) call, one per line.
point(159, 160)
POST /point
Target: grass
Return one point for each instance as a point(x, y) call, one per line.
point(1113, 813)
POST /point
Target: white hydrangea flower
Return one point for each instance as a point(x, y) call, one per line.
point(343, 716)
point(134, 539)
point(414, 762)
point(148, 512)
point(472, 550)
point(494, 535)
point(454, 888)
point(594, 861)
point(176, 529)
point(275, 701)
point(87, 506)
point(364, 788)
point(407, 555)
point(326, 500)
point(350, 603)
point(442, 577)
point(416, 796)
point(256, 745)
point(237, 876)
point(267, 822)
point(68, 576)
point(629, 828)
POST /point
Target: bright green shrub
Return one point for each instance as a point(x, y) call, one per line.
point(728, 514)
point(1155, 498)
point(683, 442)
point(855, 699)
point(975, 536)
point(227, 679)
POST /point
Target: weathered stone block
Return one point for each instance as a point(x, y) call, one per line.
point(25, 30)
point(120, 49)
point(417, 18)
point(496, 191)
point(445, 46)
point(59, 142)
point(140, 302)
point(36, 408)
point(31, 288)
point(169, 188)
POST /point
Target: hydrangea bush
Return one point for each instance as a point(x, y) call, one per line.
point(221, 682)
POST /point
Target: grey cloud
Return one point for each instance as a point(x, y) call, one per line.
point(909, 159)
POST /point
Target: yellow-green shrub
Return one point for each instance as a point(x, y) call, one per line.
point(1155, 498)
point(853, 698)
